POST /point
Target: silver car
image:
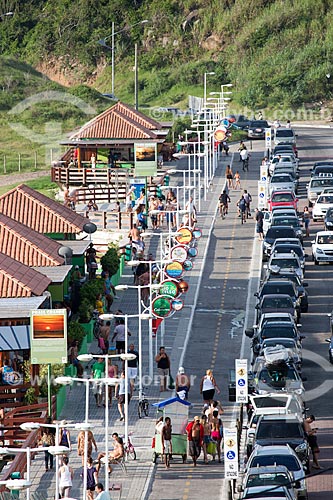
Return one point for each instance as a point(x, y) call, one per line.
point(281, 182)
point(316, 186)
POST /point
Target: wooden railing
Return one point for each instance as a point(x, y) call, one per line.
point(85, 176)
point(12, 396)
point(110, 220)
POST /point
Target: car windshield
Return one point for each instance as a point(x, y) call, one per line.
point(315, 183)
point(288, 343)
point(276, 197)
point(274, 233)
point(329, 212)
point(325, 199)
point(280, 178)
point(279, 429)
point(285, 221)
point(288, 461)
point(277, 302)
point(325, 239)
point(284, 133)
point(259, 124)
point(278, 331)
point(285, 262)
point(267, 479)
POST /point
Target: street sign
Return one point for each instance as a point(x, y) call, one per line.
point(268, 138)
point(177, 304)
point(179, 252)
point(230, 453)
point(161, 306)
point(263, 173)
point(174, 270)
point(262, 194)
point(188, 265)
point(241, 380)
point(169, 288)
point(48, 332)
point(192, 252)
point(196, 233)
point(220, 134)
point(145, 159)
point(184, 235)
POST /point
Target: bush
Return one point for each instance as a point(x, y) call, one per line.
point(85, 310)
point(75, 332)
point(110, 261)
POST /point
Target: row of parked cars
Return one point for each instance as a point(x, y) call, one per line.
point(276, 443)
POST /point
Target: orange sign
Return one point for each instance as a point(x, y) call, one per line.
point(184, 235)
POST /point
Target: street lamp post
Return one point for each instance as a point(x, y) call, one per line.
point(205, 85)
point(112, 36)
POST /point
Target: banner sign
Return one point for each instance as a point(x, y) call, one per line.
point(262, 194)
point(161, 306)
point(145, 156)
point(48, 336)
point(230, 453)
point(241, 380)
point(268, 138)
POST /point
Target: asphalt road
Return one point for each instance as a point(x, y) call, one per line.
point(216, 337)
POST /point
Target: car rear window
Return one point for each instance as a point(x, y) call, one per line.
point(274, 233)
point(282, 197)
point(288, 461)
point(326, 239)
point(272, 288)
point(284, 133)
point(325, 199)
point(263, 479)
point(285, 262)
point(321, 183)
point(281, 178)
point(277, 302)
point(279, 429)
point(278, 331)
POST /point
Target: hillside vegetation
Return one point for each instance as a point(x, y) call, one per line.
point(277, 54)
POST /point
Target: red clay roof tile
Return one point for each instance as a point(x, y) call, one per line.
point(18, 280)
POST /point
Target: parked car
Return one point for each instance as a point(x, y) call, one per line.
point(257, 129)
point(322, 167)
point(300, 285)
point(241, 122)
point(284, 147)
point(292, 346)
point(273, 330)
point(282, 429)
point(290, 248)
point(328, 219)
point(285, 262)
point(322, 247)
point(280, 455)
point(293, 222)
point(316, 186)
point(275, 303)
point(263, 477)
point(272, 234)
point(275, 287)
point(282, 199)
point(323, 203)
point(285, 135)
point(280, 182)
point(279, 493)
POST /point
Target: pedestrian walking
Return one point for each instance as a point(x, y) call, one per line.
point(90, 442)
point(306, 219)
point(216, 433)
point(240, 149)
point(206, 437)
point(226, 147)
point(132, 367)
point(183, 384)
point(109, 291)
point(121, 395)
point(229, 176)
point(98, 370)
point(66, 475)
point(245, 158)
point(259, 218)
point(208, 386)
point(103, 340)
point(65, 438)
point(119, 335)
point(92, 478)
point(166, 437)
point(237, 180)
point(163, 366)
point(195, 434)
point(312, 440)
point(46, 440)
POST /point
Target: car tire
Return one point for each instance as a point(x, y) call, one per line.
point(310, 204)
point(316, 262)
point(330, 358)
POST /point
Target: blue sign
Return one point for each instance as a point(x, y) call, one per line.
point(231, 455)
point(261, 195)
point(241, 382)
point(263, 178)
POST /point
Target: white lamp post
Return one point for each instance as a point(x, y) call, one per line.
point(205, 85)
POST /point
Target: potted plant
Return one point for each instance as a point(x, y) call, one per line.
point(30, 397)
point(110, 261)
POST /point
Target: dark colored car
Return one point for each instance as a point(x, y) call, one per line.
point(242, 122)
point(275, 303)
point(328, 219)
point(272, 234)
point(330, 348)
point(257, 129)
point(277, 287)
point(322, 171)
point(289, 248)
point(289, 221)
point(284, 429)
point(302, 293)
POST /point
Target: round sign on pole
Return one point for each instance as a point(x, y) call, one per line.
point(197, 233)
point(220, 134)
point(192, 252)
point(177, 304)
point(174, 270)
point(161, 306)
point(184, 235)
point(179, 252)
point(169, 288)
point(188, 265)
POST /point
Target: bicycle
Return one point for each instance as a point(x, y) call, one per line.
point(143, 407)
point(243, 216)
point(129, 449)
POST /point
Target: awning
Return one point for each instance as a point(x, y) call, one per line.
point(169, 401)
point(14, 338)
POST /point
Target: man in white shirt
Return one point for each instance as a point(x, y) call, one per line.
point(101, 494)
